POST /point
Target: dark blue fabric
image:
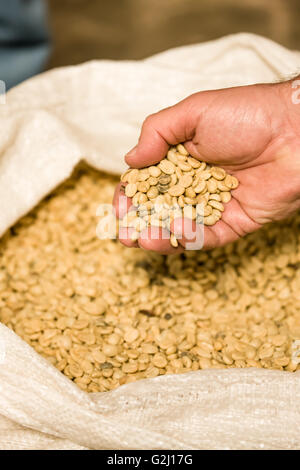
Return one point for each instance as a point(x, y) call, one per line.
point(24, 39)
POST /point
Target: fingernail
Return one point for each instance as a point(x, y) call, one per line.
point(132, 152)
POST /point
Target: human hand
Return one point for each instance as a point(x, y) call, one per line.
point(253, 132)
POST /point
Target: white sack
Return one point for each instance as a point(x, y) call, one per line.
point(93, 112)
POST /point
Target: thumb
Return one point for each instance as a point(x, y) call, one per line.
point(170, 126)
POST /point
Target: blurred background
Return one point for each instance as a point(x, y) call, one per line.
point(81, 30)
point(134, 29)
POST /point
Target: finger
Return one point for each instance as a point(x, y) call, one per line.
point(121, 202)
point(125, 234)
point(167, 127)
point(161, 238)
point(189, 234)
point(157, 239)
point(193, 150)
point(194, 236)
point(218, 235)
point(235, 223)
point(237, 219)
point(213, 159)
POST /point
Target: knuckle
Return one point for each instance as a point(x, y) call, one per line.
point(148, 122)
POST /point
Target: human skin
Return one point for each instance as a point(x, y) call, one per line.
point(253, 132)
